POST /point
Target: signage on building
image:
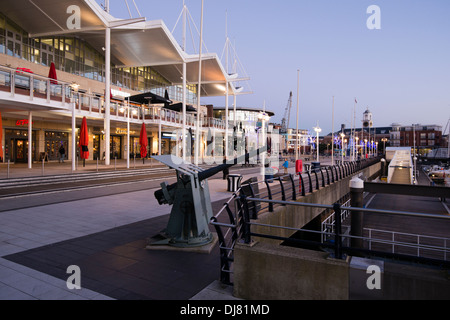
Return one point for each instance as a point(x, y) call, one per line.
point(22, 122)
point(124, 131)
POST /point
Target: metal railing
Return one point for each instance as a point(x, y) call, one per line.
point(328, 225)
point(408, 243)
point(243, 208)
point(336, 245)
point(20, 82)
point(231, 222)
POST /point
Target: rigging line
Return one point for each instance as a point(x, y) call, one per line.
point(176, 23)
point(137, 9)
point(223, 50)
point(192, 36)
point(129, 12)
point(46, 14)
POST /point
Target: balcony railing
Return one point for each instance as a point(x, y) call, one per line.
point(18, 81)
point(24, 83)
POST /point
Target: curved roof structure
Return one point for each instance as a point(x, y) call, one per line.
point(270, 113)
point(134, 42)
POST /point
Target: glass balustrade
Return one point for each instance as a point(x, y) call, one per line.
point(21, 82)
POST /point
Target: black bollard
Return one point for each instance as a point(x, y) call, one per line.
point(357, 217)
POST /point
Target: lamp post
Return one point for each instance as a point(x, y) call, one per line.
point(345, 145)
point(384, 146)
point(372, 148)
point(356, 139)
point(317, 130)
point(342, 140)
point(365, 148)
point(263, 116)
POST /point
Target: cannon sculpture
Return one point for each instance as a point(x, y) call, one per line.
point(191, 212)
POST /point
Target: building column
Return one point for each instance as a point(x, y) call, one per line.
point(74, 143)
point(226, 121)
point(159, 132)
point(183, 134)
point(107, 124)
point(30, 140)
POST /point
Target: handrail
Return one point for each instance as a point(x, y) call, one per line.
point(38, 86)
point(290, 187)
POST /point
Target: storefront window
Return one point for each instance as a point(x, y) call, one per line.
point(116, 147)
point(16, 145)
point(53, 141)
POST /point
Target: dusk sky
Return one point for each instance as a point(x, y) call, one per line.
point(401, 72)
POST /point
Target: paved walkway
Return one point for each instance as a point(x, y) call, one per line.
point(30, 236)
point(91, 232)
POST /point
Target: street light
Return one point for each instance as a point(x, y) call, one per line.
point(263, 116)
point(345, 147)
point(371, 148)
point(342, 152)
point(357, 139)
point(317, 130)
point(365, 148)
point(384, 145)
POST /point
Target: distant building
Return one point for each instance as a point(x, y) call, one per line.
point(422, 136)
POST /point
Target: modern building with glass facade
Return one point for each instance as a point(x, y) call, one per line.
point(149, 77)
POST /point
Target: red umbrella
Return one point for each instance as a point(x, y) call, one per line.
point(84, 141)
point(143, 141)
point(52, 74)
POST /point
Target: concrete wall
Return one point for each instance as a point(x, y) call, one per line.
point(264, 271)
point(298, 217)
point(267, 270)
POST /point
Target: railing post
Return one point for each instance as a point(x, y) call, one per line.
point(317, 179)
point(302, 184)
point(232, 220)
point(12, 83)
point(283, 195)
point(31, 87)
point(246, 220)
point(269, 194)
point(294, 194)
point(323, 178)
point(225, 266)
point(310, 182)
point(337, 232)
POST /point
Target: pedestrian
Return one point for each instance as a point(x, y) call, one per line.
point(62, 153)
point(225, 171)
point(286, 165)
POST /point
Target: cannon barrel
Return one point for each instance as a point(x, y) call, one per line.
point(202, 175)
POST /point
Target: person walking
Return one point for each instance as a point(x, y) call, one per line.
point(285, 165)
point(62, 153)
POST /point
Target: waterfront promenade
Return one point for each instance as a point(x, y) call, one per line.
point(105, 234)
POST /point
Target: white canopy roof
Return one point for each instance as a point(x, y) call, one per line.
point(144, 43)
